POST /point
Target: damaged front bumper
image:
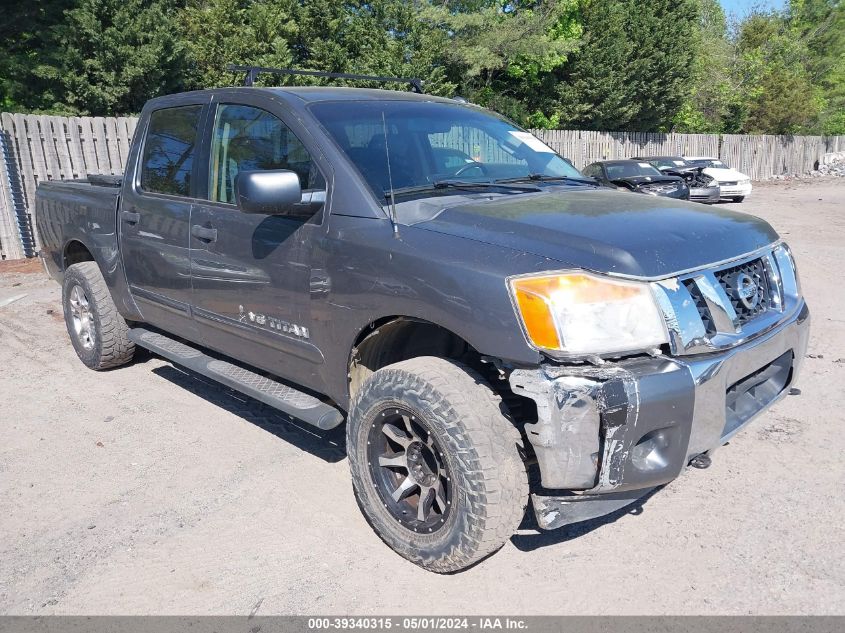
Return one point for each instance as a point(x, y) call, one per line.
point(606, 435)
point(707, 195)
point(735, 190)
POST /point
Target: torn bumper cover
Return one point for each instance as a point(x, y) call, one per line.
point(708, 194)
point(606, 435)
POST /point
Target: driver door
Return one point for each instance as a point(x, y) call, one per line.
point(251, 273)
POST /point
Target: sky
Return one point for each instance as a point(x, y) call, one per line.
point(742, 7)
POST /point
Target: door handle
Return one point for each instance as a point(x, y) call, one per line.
point(204, 233)
point(131, 217)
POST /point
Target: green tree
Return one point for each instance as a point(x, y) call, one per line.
point(607, 64)
point(634, 69)
point(503, 54)
point(821, 25)
point(781, 97)
point(110, 56)
point(595, 89)
point(381, 37)
point(716, 100)
point(221, 32)
point(26, 36)
point(665, 39)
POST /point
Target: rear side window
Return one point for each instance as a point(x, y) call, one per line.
point(169, 150)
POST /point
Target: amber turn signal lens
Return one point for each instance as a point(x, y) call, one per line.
point(537, 316)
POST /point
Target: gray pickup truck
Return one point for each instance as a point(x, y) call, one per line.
point(493, 327)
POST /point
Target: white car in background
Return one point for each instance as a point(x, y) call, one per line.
point(732, 184)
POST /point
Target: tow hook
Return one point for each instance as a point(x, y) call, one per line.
point(701, 461)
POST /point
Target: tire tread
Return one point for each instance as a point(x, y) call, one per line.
point(487, 443)
point(115, 347)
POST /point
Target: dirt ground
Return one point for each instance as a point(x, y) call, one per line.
point(149, 490)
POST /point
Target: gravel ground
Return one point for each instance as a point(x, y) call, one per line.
point(149, 490)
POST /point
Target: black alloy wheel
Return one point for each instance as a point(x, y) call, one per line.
point(409, 470)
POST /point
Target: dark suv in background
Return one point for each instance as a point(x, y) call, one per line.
point(702, 188)
point(637, 176)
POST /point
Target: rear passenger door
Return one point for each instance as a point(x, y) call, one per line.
point(253, 275)
point(155, 213)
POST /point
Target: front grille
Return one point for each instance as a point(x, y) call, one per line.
point(728, 184)
point(757, 296)
point(701, 306)
point(746, 287)
point(725, 305)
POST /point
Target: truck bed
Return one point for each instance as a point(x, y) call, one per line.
point(77, 221)
point(77, 209)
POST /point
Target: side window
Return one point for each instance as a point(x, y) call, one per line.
point(251, 139)
point(169, 150)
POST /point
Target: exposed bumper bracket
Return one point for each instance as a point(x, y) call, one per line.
point(555, 512)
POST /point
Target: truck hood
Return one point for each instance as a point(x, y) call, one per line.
point(607, 231)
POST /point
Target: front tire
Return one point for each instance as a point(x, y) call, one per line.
point(738, 198)
point(436, 464)
point(97, 331)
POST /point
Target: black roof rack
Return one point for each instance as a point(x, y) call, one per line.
point(252, 73)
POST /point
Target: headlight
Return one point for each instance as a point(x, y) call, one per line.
point(582, 314)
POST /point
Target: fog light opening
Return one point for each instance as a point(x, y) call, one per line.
point(650, 452)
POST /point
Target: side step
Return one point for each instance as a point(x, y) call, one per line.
point(276, 394)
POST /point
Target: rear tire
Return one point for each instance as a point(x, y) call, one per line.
point(738, 198)
point(97, 331)
point(429, 432)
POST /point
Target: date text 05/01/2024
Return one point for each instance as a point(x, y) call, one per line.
point(418, 623)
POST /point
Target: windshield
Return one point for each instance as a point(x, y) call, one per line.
point(707, 162)
point(630, 170)
point(434, 142)
point(668, 163)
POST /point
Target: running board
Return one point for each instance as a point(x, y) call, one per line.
point(278, 395)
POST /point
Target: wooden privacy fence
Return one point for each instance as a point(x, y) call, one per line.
point(584, 147)
point(35, 148)
point(760, 157)
point(765, 156)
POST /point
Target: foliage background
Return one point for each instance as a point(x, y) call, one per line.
point(655, 65)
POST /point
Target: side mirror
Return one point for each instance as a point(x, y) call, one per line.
point(272, 192)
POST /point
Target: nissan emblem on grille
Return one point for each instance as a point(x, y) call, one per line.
point(746, 293)
point(747, 287)
point(746, 290)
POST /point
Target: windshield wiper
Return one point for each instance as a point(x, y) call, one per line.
point(545, 178)
point(460, 184)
